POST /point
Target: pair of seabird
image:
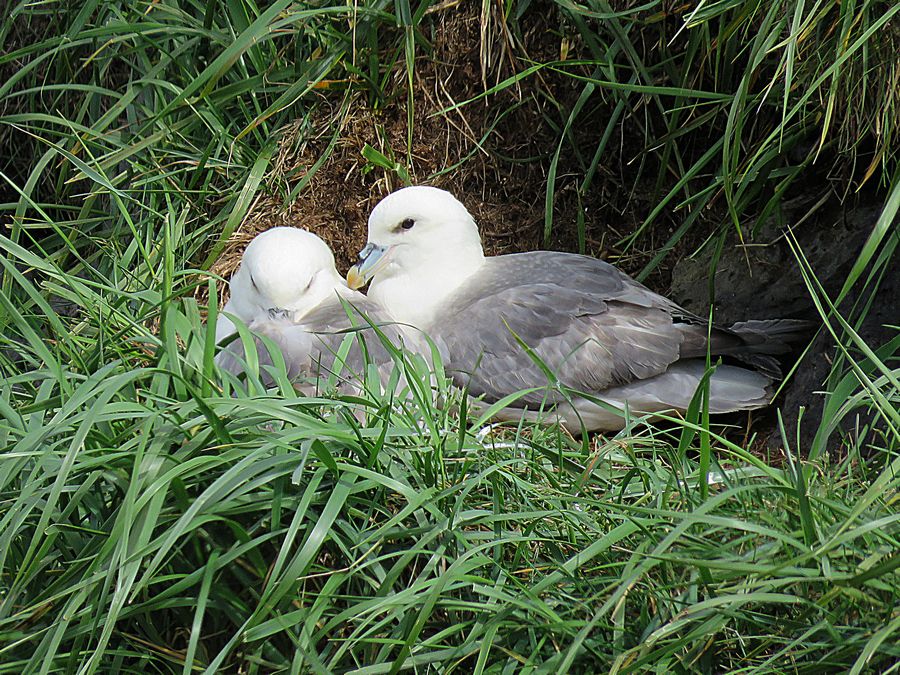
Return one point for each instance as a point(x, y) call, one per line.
point(582, 337)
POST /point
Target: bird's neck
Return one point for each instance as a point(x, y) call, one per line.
point(415, 295)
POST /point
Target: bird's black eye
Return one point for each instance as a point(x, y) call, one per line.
point(407, 224)
point(253, 283)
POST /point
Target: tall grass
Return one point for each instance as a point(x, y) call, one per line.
point(152, 522)
point(726, 104)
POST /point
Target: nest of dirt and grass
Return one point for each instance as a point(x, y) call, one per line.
point(495, 152)
point(492, 153)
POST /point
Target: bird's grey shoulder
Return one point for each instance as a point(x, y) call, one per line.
point(579, 283)
point(361, 316)
point(339, 313)
point(536, 267)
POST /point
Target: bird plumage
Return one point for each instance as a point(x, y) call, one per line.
point(509, 320)
point(287, 289)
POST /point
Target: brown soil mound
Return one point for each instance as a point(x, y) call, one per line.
point(493, 153)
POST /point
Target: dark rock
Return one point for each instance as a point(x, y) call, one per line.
point(763, 281)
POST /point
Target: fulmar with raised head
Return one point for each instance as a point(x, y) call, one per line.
point(587, 326)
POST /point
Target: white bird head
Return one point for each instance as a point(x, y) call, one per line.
point(284, 272)
point(415, 226)
point(423, 244)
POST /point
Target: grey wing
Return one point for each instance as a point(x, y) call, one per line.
point(372, 332)
point(332, 339)
point(585, 321)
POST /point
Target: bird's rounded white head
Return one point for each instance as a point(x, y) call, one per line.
point(284, 272)
point(421, 220)
point(423, 244)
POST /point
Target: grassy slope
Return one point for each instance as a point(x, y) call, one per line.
point(151, 522)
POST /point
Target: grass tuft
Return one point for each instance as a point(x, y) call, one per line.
point(154, 518)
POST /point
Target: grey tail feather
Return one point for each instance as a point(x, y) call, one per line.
point(772, 336)
point(763, 363)
point(734, 388)
point(763, 339)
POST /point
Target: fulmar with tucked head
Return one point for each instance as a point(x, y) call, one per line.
point(597, 330)
point(288, 289)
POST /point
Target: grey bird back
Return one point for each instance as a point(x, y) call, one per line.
point(582, 319)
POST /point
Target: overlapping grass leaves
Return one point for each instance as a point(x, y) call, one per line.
point(148, 524)
point(151, 520)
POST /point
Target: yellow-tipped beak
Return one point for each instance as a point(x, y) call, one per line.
point(372, 259)
point(355, 280)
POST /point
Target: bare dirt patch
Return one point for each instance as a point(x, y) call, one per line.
point(493, 154)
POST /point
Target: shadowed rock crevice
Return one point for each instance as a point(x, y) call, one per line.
point(764, 280)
